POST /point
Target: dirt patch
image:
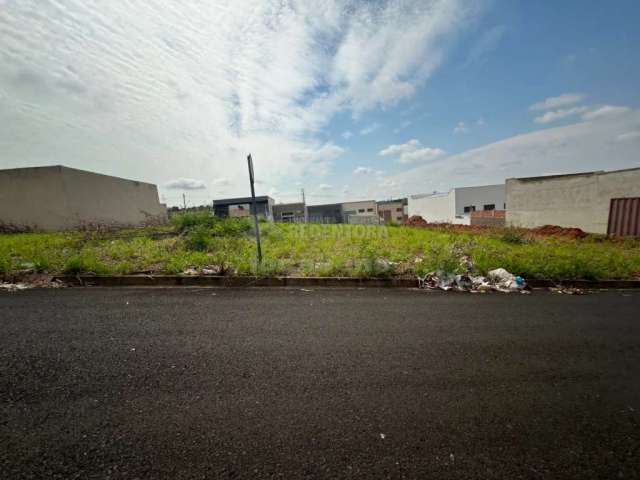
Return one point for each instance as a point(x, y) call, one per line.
point(419, 222)
point(555, 230)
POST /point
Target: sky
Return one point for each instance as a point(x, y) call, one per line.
point(347, 100)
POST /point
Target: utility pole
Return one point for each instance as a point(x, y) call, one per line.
point(184, 201)
point(255, 209)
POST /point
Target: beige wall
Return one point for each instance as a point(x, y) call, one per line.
point(580, 200)
point(59, 198)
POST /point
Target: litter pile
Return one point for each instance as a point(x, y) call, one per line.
point(498, 280)
point(33, 280)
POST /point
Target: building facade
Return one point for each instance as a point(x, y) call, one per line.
point(327, 213)
point(393, 212)
point(456, 205)
point(243, 207)
point(290, 212)
point(63, 198)
point(581, 200)
point(362, 212)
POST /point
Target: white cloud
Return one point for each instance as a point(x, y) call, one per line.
point(412, 152)
point(221, 182)
point(370, 129)
point(555, 115)
point(323, 187)
point(583, 146)
point(460, 128)
point(485, 44)
point(208, 81)
point(480, 122)
point(629, 136)
point(185, 184)
point(560, 101)
point(347, 134)
point(363, 171)
point(606, 111)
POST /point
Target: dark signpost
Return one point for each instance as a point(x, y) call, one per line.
point(254, 208)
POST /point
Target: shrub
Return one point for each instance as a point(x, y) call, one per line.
point(513, 236)
point(188, 220)
point(199, 238)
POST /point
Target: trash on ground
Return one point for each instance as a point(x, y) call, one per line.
point(33, 280)
point(568, 290)
point(14, 287)
point(498, 280)
point(212, 270)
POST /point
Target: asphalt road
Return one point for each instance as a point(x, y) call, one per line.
point(271, 383)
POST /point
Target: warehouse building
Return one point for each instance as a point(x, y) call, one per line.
point(243, 207)
point(327, 213)
point(581, 200)
point(393, 212)
point(361, 212)
point(62, 198)
point(456, 205)
point(290, 212)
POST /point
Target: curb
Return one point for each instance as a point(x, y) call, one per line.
point(346, 282)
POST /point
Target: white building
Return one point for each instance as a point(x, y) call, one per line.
point(456, 205)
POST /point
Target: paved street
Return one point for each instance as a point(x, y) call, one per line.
point(275, 383)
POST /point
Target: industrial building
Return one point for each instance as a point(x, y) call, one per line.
point(243, 207)
point(581, 200)
point(361, 212)
point(62, 198)
point(393, 211)
point(290, 212)
point(328, 213)
point(456, 205)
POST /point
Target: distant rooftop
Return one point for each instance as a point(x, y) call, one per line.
point(231, 201)
point(579, 174)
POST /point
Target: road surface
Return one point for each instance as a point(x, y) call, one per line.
point(288, 383)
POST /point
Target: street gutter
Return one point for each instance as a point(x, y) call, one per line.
point(249, 281)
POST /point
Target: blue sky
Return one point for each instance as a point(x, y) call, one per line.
point(346, 99)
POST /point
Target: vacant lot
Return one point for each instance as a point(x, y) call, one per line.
point(196, 241)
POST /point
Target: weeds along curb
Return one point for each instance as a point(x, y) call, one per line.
point(221, 281)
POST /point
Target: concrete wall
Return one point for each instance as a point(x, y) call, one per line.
point(61, 198)
point(580, 200)
point(434, 208)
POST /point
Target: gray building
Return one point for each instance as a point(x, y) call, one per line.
point(328, 213)
point(242, 207)
point(290, 212)
point(63, 198)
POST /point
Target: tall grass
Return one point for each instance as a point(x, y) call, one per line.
point(200, 240)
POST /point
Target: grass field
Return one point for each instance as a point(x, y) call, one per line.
point(197, 241)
